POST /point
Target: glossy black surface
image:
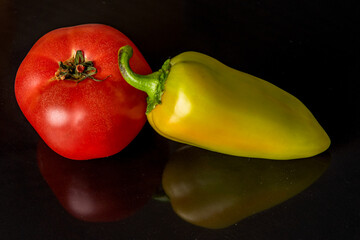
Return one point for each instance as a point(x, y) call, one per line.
point(308, 48)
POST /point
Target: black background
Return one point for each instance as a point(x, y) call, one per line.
point(309, 48)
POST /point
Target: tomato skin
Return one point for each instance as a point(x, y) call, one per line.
point(88, 119)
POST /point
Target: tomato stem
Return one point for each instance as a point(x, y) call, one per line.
point(76, 69)
point(153, 84)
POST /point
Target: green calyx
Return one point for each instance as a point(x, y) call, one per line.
point(76, 69)
point(153, 84)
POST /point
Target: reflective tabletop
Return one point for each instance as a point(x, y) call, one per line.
point(157, 188)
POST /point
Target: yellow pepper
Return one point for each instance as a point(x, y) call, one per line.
point(197, 100)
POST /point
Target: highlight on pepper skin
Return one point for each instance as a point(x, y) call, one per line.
point(213, 190)
point(182, 108)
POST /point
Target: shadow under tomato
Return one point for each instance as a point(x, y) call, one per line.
point(213, 190)
point(108, 189)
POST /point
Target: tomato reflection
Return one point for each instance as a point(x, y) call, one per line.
point(108, 189)
point(213, 190)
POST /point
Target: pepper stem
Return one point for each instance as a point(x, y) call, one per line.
point(153, 84)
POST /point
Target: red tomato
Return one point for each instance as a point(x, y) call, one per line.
point(86, 119)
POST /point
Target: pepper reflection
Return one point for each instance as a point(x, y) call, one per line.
point(104, 190)
point(213, 190)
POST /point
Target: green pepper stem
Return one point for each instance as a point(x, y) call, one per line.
point(153, 84)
